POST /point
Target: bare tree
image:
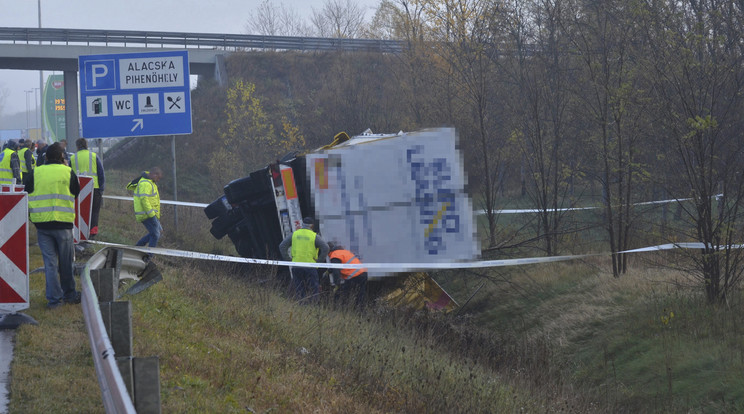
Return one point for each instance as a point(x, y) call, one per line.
point(607, 36)
point(698, 72)
point(387, 22)
point(464, 44)
point(407, 20)
point(275, 19)
point(339, 19)
point(542, 111)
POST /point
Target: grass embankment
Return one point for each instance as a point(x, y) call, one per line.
point(52, 370)
point(565, 336)
point(228, 344)
point(645, 342)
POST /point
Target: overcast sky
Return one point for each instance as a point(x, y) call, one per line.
point(207, 16)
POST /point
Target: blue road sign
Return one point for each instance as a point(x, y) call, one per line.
point(135, 94)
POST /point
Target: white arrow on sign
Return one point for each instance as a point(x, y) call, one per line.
point(139, 122)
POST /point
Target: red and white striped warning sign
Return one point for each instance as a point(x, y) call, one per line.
point(14, 282)
point(83, 210)
point(7, 188)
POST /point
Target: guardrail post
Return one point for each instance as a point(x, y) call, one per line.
point(117, 318)
point(125, 368)
point(113, 260)
point(146, 384)
point(105, 283)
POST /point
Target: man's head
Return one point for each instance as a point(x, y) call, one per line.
point(41, 143)
point(30, 144)
point(308, 223)
point(81, 144)
point(156, 174)
point(55, 154)
point(13, 145)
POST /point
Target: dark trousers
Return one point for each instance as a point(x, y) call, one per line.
point(304, 279)
point(354, 286)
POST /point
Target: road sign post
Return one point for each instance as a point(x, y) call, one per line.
point(135, 94)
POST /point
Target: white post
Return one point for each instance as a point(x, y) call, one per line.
point(175, 182)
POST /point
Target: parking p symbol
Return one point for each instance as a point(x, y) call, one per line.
point(100, 75)
point(99, 71)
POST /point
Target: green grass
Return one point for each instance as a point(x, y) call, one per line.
point(227, 343)
point(615, 339)
point(52, 368)
point(540, 338)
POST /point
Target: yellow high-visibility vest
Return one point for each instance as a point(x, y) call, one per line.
point(51, 199)
point(22, 159)
point(146, 200)
point(6, 173)
point(84, 163)
point(303, 246)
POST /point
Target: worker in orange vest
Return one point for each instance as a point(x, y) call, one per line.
point(351, 281)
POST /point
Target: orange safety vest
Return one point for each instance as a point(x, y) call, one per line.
point(347, 257)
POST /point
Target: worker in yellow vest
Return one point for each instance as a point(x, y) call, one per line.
point(10, 166)
point(86, 162)
point(350, 281)
point(304, 246)
point(52, 190)
point(147, 206)
point(26, 156)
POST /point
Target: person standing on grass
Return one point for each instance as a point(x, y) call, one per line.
point(351, 281)
point(304, 246)
point(147, 205)
point(52, 189)
point(10, 164)
point(86, 162)
point(26, 157)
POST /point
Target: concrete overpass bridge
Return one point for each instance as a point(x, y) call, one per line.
point(59, 49)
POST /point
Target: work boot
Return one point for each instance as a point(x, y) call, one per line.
point(74, 300)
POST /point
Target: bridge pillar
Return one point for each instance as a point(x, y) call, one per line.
point(220, 70)
point(72, 125)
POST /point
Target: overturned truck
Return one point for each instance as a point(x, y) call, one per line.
point(390, 198)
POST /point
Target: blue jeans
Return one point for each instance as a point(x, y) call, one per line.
point(154, 230)
point(57, 250)
point(305, 278)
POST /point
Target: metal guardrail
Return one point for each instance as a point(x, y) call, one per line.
point(88, 37)
point(114, 392)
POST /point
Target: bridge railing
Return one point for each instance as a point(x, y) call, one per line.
point(131, 38)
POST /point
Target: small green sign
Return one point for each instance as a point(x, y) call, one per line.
point(54, 108)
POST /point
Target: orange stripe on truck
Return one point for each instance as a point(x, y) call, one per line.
point(290, 190)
